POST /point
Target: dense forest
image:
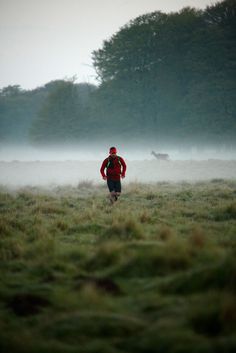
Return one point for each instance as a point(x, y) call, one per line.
point(162, 77)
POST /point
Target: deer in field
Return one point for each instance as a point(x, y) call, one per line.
point(160, 156)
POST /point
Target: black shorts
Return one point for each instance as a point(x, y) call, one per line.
point(114, 185)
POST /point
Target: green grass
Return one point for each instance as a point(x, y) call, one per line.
point(156, 272)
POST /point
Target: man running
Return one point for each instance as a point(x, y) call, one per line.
point(115, 168)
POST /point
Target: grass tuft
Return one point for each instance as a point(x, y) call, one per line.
point(165, 233)
point(226, 213)
point(197, 238)
point(125, 229)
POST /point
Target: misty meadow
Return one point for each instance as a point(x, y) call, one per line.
point(155, 271)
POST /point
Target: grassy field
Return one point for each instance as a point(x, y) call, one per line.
point(156, 272)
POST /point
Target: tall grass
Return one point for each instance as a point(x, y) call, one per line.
point(155, 272)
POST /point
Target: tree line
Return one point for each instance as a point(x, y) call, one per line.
point(165, 77)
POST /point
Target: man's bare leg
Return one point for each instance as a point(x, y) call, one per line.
point(117, 194)
point(112, 197)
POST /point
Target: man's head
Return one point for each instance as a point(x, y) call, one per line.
point(113, 151)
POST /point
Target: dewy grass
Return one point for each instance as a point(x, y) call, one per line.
point(155, 272)
point(125, 228)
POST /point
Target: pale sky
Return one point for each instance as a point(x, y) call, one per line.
point(45, 40)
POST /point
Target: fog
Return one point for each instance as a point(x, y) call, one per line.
point(98, 151)
point(23, 166)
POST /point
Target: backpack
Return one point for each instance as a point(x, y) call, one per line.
point(110, 163)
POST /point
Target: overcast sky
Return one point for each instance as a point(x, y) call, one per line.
point(44, 40)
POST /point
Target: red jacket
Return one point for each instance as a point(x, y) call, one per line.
point(115, 167)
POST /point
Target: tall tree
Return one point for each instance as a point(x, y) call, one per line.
point(64, 114)
point(172, 76)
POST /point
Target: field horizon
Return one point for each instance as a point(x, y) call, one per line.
point(17, 174)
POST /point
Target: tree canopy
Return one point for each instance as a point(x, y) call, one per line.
point(174, 73)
